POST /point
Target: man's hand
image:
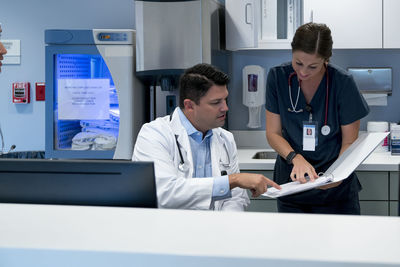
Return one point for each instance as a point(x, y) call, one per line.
point(257, 183)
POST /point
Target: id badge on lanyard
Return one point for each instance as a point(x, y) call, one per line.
point(310, 134)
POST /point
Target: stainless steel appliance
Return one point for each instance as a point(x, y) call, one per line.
point(172, 36)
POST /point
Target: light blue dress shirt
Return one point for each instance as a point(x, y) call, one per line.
point(201, 153)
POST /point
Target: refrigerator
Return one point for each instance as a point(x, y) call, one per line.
point(94, 103)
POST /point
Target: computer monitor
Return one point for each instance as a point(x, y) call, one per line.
point(78, 182)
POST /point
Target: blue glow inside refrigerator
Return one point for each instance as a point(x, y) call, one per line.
point(94, 103)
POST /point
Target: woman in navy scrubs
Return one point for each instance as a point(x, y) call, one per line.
point(313, 112)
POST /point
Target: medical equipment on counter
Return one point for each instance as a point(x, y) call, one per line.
point(395, 139)
point(254, 93)
point(325, 130)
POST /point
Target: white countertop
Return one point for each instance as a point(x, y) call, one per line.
point(377, 161)
point(39, 235)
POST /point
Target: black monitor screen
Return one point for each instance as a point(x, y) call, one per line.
point(78, 182)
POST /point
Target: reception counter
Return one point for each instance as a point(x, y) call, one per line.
point(38, 235)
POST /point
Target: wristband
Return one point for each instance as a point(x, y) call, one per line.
point(290, 157)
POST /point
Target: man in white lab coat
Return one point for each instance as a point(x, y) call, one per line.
point(196, 164)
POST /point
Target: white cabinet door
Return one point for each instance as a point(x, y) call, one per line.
point(354, 23)
point(391, 22)
point(241, 29)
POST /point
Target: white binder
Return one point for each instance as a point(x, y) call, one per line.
point(339, 170)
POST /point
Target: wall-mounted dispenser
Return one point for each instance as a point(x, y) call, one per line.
point(254, 93)
point(374, 83)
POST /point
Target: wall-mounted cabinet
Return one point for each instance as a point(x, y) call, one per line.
point(391, 21)
point(355, 24)
point(241, 29)
point(261, 24)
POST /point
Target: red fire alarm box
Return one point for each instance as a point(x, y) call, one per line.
point(20, 93)
point(40, 91)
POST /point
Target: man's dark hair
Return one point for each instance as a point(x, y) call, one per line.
point(195, 82)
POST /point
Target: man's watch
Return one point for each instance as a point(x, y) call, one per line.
point(290, 157)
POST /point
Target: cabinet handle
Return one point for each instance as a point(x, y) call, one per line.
point(245, 10)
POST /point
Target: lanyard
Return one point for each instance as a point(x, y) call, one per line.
point(325, 130)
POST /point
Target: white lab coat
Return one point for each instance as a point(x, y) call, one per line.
point(179, 190)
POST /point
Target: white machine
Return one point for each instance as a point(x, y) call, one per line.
point(254, 93)
point(94, 103)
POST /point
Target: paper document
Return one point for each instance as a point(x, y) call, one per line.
point(296, 187)
point(339, 170)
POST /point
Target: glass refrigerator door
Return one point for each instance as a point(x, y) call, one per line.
point(86, 110)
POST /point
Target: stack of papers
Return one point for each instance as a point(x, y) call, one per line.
point(296, 187)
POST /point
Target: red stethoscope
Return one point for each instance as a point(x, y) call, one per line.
point(325, 130)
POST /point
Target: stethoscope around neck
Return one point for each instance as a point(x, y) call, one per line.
point(184, 166)
point(325, 130)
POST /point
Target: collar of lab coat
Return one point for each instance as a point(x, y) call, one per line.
point(183, 139)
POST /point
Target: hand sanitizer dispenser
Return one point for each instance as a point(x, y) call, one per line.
point(254, 93)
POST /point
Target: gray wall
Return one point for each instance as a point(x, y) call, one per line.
point(238, 113)
point(26, 20)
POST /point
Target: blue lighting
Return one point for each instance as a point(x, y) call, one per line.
point(80, 133)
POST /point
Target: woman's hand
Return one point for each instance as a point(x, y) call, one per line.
point(301, 169)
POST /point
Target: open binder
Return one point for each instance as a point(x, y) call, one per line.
point(339, 170)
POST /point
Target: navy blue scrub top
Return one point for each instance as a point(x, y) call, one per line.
point(345, 106)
